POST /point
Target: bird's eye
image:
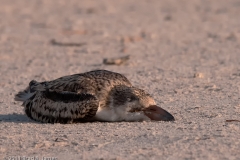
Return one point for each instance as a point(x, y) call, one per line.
point(131, 99)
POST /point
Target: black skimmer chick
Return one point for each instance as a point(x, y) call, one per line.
point(97, 95)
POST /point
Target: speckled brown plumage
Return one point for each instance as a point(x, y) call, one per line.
point(81, 87)
point(60, 107)
point(93, 95)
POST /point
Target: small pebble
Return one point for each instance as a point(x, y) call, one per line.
point(198, 75)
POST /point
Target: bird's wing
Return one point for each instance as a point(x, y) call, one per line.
point(89, 82)
point(61, 107)
point(73, 83)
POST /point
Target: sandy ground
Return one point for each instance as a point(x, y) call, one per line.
point(185, 53)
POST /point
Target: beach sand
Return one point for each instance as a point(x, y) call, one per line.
point(186, 54)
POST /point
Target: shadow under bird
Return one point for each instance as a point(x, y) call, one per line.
point(97, 95)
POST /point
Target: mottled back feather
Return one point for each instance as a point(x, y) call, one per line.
point(69, 98)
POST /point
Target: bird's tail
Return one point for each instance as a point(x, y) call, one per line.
point(24, 95)
point(29, 91)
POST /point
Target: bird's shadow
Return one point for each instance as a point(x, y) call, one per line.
point(21, 118)
point(15, 118)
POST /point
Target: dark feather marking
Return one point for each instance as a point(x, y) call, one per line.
point(28, 109)
point(66, 97)
point(76, 112)
point(49, 119)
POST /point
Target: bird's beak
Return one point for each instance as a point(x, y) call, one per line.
point(158, 114)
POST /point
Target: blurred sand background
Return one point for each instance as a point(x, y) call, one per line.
point(184, 53)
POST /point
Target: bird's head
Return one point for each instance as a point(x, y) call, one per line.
point(132, 104)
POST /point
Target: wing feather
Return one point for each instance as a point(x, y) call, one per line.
point(61, 107)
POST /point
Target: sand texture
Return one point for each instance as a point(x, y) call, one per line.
point(186, 54)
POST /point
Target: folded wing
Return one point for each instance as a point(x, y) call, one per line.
point(61, 106)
